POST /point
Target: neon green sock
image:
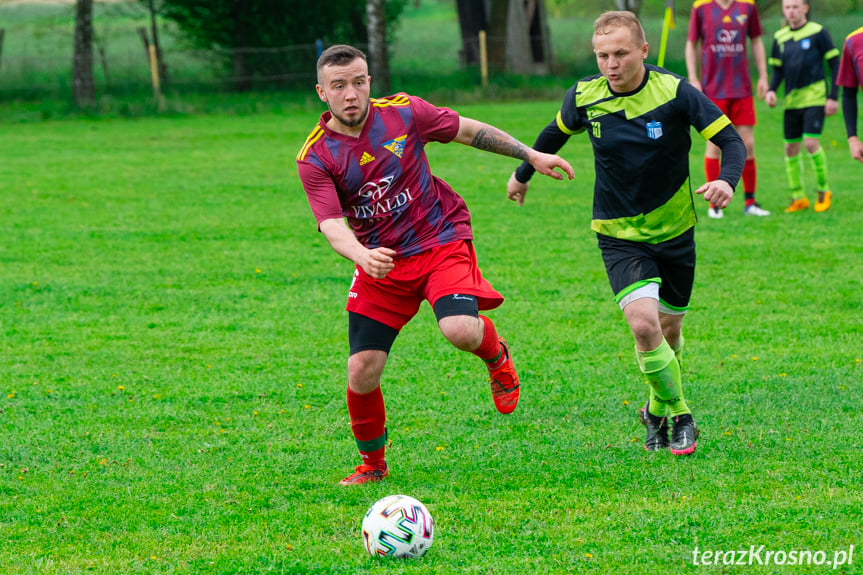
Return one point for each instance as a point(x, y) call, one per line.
point(663, 374)
point(656, 406)
point(678, 351)
point(819, 164)
point(793, 168)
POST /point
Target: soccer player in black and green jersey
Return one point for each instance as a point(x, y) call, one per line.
point(638, 118)
point(799, 52)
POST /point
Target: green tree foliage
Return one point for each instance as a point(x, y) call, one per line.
point(255, 34)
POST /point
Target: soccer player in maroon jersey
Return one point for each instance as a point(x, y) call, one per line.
point(850, 78)
point(722, 27)
point(407, 231)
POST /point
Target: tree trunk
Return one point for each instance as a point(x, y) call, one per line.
point(154, 30)
point(519, 59)
point(82, 63)
point(497, 37)
point(380, 67)
point(471, 19)
point(242, 78)
point(519, 39)
point(633, 6)
point(540, 38)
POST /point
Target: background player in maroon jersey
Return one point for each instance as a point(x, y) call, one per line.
point(850, 78)
point(407, 231)
point(722, 26)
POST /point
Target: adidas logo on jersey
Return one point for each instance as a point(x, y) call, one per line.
point(367, 157)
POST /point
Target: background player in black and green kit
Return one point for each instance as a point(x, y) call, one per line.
point(799, 52)
point(638, 118)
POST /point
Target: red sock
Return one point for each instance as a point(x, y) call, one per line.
point(749, 180)
point(711, 169)
point(490, 350)
point(368, 422)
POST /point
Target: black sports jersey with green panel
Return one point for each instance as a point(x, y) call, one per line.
point(641, 143)
point(798, 58)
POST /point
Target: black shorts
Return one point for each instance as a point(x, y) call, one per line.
point(671, 264)
point(803, 122)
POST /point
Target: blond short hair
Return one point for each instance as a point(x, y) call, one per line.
point(620, 19)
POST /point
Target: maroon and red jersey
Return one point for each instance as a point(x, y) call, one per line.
point(723, 33)
point(381, 181)
point(851, 65)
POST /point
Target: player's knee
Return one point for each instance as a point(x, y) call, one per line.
point(364, 370)
point(671, 335)
point(464, 332)
point(644, 328)
point(458, 319)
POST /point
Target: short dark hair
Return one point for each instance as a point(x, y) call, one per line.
point(339, 55)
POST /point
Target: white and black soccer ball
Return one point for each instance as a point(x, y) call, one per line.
point(398, 526)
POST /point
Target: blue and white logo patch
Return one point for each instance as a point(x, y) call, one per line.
point(396, 145)
point(654, 130)
point(805, 43)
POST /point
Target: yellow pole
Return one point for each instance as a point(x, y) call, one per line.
point(666, 25)
point(483, 58)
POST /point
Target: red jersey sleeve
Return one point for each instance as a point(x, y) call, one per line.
point(434, 124)
point(321, 192)
point(755, 29)
point(694, 25)
point(852, 61)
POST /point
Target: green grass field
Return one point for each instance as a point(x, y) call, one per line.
point(174, 346)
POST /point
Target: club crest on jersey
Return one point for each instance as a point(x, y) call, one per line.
point(396, 145)
point(741, 19)
point(654, 130)
point(806, 43)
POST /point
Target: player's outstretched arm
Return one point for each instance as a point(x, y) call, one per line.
point(485, 137)
point(720, 190)
point(377, 262)
point(855, 146)
point(849, 115)
point(515, 190)
point(760, 56)
point(717, 192)
point(691, 56)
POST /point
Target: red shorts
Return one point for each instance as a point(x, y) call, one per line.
point(741, 111)
point(444, 270)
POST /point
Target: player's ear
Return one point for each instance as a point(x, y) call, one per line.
point(321, 94)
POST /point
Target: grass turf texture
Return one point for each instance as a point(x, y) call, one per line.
point(174, 346)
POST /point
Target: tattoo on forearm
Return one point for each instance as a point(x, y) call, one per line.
point(493, 140)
